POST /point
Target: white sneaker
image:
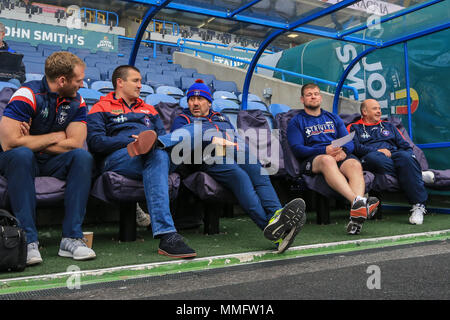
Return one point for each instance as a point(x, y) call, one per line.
point(76, 249)
point(142, 217)
point(417, 212)
point(428, 177)
point(33, 254)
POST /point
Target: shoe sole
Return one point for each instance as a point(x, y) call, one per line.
point(67, 254)
point(34, 261)
point(143, 144)
point(415, 223)
point(292, 215)
point(289, 239)
point(178, 256)
point(373, 208)
point(358, 227)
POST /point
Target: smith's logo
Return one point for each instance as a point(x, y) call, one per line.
point(105, 43)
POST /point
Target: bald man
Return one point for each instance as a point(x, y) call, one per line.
point(383, 149)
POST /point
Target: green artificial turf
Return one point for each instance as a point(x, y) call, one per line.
point(238, 235)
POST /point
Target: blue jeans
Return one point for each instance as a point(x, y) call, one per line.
point(153, 169)
point(402, 165)
point(253, 190)
point(19, 166)
point(240, 173)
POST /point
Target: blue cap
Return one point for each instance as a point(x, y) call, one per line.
point(199, 88)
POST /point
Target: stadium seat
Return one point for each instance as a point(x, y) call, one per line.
point(33, 59)
point(157, 80)
point(155, 98)
point(102, 86)
point(33, 76)
point(90, 96)
point(277, 108)
point(207, 78)
point(170, 91)
point(42, 46)
point(186, 82)
point(256, 105)
point(175, 75)
point(188, 71)
point(92, 60)
point(32, 67)
point(183, 102)
point(220, 85)
point(91, 74)
point(251, 97)
point(5, 84)
point(231, 114)
point(225, 95)
point(146, 90)
point(220, 104)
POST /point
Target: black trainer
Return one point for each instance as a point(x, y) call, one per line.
point(173, 246)
point(285, 219)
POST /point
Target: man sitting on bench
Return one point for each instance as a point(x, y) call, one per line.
point(382, 149)
point(310, 134)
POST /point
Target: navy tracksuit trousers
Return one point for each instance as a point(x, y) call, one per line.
point(403, 165)
point(20, 166)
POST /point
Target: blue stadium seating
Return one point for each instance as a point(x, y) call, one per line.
point(157, 80)
point(90, 96)
point(183, 102)
point(220, 85)
point(221, 104)
point(102, 86)
point(207, 78)
point(146, 90)
point(170, 91)
point(277, 108)
point(186, 82)
point(188, 71)
point(175, 75)
point(225, 95)
point(33, 76)
point(256, 105)
point(33, 59)
point(155, 98)
point(5, 84)
point(251, 97)
point(31, 67)
point(91, 74)
point(231, 114)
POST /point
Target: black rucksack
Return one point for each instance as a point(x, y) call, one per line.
point(13, 243)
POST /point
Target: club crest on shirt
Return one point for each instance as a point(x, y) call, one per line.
point(147, 121)
point(385, 132)
point(62, 114)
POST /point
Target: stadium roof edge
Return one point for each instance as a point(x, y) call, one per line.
point(312, 22)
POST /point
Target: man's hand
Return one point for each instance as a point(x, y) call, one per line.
point(333, 151)
point(340, 156)
point(25, 128)
point(222, 142)
point(386, 152)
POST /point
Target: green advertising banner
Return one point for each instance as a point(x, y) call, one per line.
point(381, 76)
point(38, 33)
